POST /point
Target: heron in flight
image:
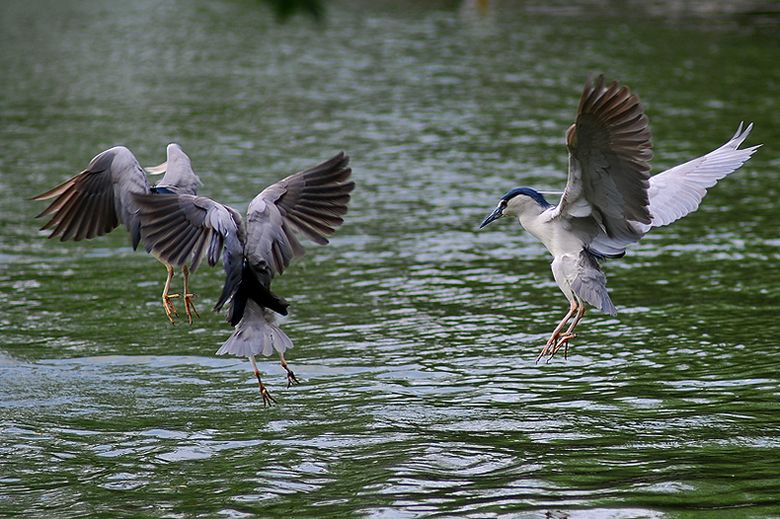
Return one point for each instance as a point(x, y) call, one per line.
point(98, 199)
point(184, 228)
point(610, 200)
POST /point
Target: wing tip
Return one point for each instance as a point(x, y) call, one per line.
point(740, 136)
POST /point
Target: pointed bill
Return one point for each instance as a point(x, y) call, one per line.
point(157, 170)
point(497, 213)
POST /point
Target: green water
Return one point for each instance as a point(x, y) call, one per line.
point(415, 335)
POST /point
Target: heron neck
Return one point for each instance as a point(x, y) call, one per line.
point(549, 231)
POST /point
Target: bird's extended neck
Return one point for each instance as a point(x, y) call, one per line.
point(537, 221)
point(529, 214)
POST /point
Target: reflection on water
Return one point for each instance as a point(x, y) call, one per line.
point(415, 335)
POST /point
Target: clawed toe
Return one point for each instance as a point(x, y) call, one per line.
point(170, 310)
point(560, 339)
point(563, 341)
point(291, 378)
point(268, 400)
point(555, 343)
point(189, 307)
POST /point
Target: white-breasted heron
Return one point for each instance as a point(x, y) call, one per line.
point(98, 199)
point(183, 229)
point(610, 200)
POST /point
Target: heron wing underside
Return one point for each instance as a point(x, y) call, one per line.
point(609, 161)
point(184, 229)
point(98, 199)
point(311, 202)
point(678, 191)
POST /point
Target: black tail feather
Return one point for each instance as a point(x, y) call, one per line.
point(251, 288)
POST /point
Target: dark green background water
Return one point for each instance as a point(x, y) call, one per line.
point(415, 335)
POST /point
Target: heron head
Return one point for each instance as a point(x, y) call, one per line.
point(176, 153)
point(515, 202)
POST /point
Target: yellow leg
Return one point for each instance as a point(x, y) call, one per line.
point(569, 334)
point(267, 398)
point(189, 306)
point(170, 310)
point(557, 332)
point(291, 378)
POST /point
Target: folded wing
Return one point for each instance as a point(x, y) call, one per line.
point(98, 199)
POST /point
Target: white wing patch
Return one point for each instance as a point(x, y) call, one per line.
point(679, 190)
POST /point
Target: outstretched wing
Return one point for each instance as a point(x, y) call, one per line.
point(679, 190)
point(97, 200)
point(312, 202)
point(183, 229)
point(179, 177)
point(609, 161)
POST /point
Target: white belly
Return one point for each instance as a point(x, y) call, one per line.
point(564, 269)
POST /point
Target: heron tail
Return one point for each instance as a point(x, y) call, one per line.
point(590, 283)
point(257, 332)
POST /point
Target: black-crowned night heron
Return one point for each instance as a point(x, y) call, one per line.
point(182, 229)
point(610, 200)
point(98, 199)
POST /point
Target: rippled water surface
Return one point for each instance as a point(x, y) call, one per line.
point(415, 335)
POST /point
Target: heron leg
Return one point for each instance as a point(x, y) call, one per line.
point(189, 306)
point(291, 378)
point(267, 398)
point(569, 334)
point(557, 332)
point(170, 310)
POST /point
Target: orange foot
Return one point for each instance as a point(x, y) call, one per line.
point(189, 307)
point(170, 310)
point(548, 347)
point(563, 341)
point(291, 378)
point(267, 398)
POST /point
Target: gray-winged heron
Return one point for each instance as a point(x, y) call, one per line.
point(182, 228)
point(610, 200)
point(98, 199)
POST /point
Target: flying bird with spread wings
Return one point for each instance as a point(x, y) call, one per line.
point(183, 229)
point(100, 198)
point(610, 200)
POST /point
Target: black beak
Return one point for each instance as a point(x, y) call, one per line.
point(495, 215)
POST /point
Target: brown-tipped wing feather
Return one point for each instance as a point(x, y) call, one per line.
point(312, 202)
point(97, 200)
point(609, 160)
point(183, 229)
